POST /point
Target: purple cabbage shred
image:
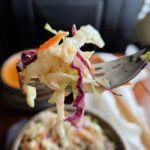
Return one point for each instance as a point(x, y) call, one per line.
point(27, 57)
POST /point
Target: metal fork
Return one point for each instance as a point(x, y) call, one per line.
point(116, 72)
point(119, 71)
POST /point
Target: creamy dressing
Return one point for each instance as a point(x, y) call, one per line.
point(89, 137)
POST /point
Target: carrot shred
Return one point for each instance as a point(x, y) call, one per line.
point(96, 59)
point(66, 94)
point(92, 70)
point(25, 143)
point(84, 134)
point(52, 41)
point(36, 147)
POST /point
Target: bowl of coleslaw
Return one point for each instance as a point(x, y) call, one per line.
point(43, 132)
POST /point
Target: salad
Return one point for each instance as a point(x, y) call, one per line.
point(62, 66)
point(42, 134)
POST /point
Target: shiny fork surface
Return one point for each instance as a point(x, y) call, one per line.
point(116, 72)
point(119, 71)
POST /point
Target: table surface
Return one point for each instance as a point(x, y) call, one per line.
point(10, 116)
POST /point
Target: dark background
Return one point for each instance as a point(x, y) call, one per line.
point(22, 21)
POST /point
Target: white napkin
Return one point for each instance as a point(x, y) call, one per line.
point(105, 106)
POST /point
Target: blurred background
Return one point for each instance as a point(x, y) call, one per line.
point(22, 22)
point(120, 22)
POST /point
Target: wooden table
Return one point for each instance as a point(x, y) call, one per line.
point(9, 116)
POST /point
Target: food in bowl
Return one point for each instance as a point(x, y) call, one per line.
point(41, 133)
